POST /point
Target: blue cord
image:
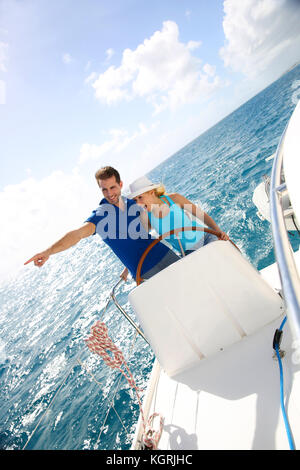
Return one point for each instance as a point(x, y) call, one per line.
point(286, 422)
point(282, 324)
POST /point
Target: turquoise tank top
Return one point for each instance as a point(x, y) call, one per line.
point(176, 218)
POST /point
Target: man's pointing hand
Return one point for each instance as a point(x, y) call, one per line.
point(39, 259)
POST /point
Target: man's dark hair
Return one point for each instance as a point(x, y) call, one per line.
point(107, 172)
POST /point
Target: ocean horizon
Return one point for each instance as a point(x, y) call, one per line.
point(56, 394)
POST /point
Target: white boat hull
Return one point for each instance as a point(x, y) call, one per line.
point(225, 392)
point(231, 400)
point(261, 200)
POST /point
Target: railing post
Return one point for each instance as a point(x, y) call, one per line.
point(284, 254)
point(135, 326)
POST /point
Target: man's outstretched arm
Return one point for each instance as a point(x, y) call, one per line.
point(70, 239)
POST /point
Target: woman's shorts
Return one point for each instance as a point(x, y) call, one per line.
point(168, 259)
point(205, 240)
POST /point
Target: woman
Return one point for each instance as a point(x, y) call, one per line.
point(167, 212)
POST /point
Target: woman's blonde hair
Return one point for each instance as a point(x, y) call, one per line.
point(160, 191)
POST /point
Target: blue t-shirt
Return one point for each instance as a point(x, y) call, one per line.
point(124, 233)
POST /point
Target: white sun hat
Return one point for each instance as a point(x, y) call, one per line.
point(140, 186)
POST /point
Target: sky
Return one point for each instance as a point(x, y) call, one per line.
point(125, 83)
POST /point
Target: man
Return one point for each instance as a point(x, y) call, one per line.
point(117, 221)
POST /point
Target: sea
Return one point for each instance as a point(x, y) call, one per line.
point(57, 395)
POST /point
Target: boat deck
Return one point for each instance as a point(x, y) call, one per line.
point(231, 400)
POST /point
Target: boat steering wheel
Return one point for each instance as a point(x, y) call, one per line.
point(164, 235)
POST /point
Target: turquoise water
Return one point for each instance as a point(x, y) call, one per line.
point(53, 391)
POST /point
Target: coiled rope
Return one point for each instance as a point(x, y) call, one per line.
point(100, 343)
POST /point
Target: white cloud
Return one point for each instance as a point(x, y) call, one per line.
point(36, 213)
point(109, 53)
point(262, 36)
point(66, 58)
point(210, 70)
point(91, 77)
point(191, 45)
point(161, 69)
point(88, 66)
point(119, 139)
